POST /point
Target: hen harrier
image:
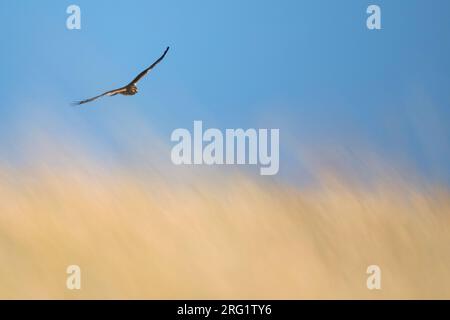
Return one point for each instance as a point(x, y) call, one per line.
point(130, 89)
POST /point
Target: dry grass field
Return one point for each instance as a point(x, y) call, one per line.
point(137, 236)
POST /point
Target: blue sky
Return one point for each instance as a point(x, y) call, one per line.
point(310, 68)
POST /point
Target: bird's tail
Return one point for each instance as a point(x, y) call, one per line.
point(76, 103)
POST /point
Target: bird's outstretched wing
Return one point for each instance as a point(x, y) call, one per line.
point(108, 93)
point(143, 73)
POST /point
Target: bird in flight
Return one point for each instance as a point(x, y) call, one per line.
point(128, 90)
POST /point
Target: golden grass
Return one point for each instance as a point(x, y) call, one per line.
point(138, 237)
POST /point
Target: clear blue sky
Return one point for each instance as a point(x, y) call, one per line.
point(310, 68)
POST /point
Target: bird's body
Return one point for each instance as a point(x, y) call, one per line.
point(131, 88)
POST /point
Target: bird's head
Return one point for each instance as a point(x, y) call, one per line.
point(133, 89)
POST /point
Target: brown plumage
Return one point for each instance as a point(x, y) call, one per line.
point(128, 90)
